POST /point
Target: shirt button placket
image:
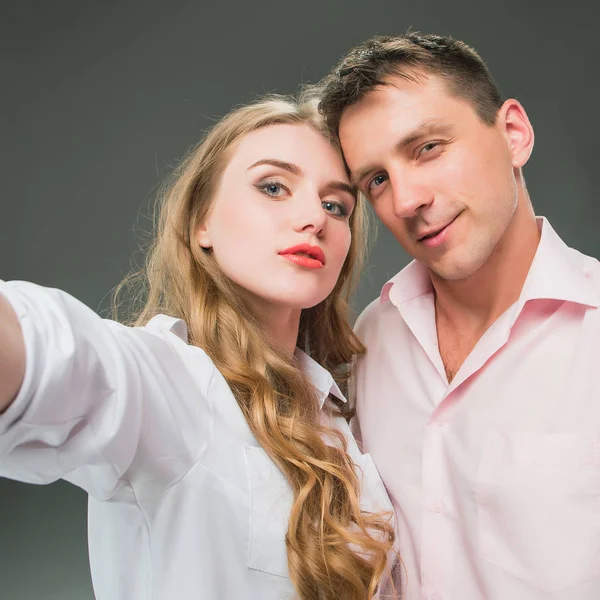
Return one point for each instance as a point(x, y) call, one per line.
point(436, 535)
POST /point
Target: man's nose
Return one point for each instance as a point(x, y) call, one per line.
point(408, 194)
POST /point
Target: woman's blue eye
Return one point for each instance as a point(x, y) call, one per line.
point(339, 210)
point(271, 188)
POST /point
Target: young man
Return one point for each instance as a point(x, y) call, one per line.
point(479, 395)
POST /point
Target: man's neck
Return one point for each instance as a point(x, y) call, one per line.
point(487, 293)
point(465, 309)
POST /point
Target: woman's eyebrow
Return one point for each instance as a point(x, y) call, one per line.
point(341, 186)
point(296, 170)
point(292, 168)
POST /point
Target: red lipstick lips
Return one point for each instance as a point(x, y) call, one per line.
point(305, 255)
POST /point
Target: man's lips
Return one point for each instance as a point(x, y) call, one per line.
point(435, 237)
point(431, 233)
point(305, 254)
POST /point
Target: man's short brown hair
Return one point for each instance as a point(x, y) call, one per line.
point(410, 56)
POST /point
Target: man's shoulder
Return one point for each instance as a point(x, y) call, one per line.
point(369, 315)
point(379, 315)
point(409, 278)
point(589, 266)
point(566, 265)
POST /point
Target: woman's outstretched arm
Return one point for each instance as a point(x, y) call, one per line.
point(12, 354)
point(95, 402)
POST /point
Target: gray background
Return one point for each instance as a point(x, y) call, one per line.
point(99, 100)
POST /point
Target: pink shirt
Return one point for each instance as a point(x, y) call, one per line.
point(495, 477)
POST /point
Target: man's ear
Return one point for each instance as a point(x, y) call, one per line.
point(518, 130)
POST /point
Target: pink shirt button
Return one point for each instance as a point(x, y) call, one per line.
point(437, 507)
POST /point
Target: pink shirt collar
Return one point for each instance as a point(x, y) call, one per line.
point(557, 273)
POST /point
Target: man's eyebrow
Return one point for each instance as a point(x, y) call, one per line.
point(424, 129)
point(356, 178)
point(294, 169)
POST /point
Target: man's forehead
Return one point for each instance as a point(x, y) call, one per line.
point(397, 93)
point(394, 115)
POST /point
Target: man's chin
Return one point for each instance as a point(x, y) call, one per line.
point(448, 274)
point(456, 270)
point(451, 269)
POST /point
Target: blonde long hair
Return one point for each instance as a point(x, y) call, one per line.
point(334, 549)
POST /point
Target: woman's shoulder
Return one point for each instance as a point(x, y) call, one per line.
point(175, 332)
point(165, 325)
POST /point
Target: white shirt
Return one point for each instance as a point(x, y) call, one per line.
point(496, 475)
point(183, 502)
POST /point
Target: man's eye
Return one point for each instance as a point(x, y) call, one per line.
point(428, 148)
point(376, 182)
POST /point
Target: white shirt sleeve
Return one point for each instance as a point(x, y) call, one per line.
point(103, 404)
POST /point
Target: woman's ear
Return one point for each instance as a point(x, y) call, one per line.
point(203, 238)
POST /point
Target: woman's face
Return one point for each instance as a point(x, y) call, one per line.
point(279, 222)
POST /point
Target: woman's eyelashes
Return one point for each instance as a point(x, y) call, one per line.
point(276, 189)
point(337, 209)
point(272, 188)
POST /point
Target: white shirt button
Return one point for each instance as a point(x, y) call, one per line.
point(440, 422)
point(438, 507)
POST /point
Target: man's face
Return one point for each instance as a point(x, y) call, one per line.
point(438, 177)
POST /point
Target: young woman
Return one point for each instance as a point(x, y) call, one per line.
point(210, 436)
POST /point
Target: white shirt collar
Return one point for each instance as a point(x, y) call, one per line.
point(321, 378)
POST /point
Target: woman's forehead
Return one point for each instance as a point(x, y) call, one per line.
point(297, 144)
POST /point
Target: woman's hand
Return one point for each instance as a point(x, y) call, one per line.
point(12, 354)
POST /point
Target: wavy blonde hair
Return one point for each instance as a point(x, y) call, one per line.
point(334, 549)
